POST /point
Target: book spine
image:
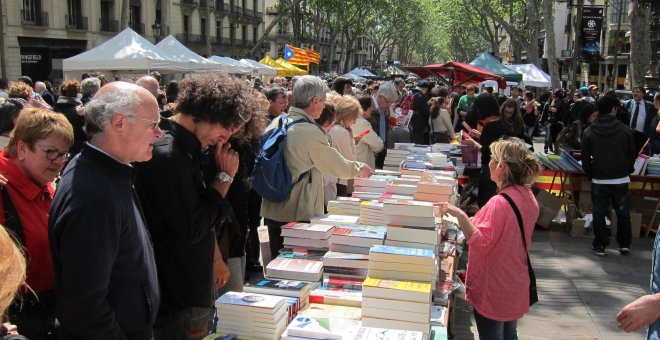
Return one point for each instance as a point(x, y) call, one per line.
point(342, 283)
point(345, 270)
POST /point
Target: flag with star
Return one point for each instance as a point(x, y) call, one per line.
point(295, 55)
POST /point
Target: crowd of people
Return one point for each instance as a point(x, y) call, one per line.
point(155, 215)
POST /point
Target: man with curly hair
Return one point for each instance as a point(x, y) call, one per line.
point(181, 210)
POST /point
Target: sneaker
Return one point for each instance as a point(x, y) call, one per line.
point(624, 251)
point(598, 250)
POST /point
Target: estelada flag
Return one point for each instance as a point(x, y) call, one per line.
point(314, 56)
point(295, 55)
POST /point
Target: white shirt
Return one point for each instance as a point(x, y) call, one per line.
point(369, 144)
point(344, 143)
point(641, 116)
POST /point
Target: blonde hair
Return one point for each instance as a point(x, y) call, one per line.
point(33, 125)
point(347, 108)
point(522, 167)
point(12, 269)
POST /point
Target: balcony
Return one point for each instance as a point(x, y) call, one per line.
point(137, 27)
point(191, 38)
point(221, 41)
point(189, 3)
point(248, 13)
point(259, 16)
point(221, 7)
point(236, 11)
point(272, 10)
point(279, 36)
point(32, 18)
point(75, 23)
point(106, 25)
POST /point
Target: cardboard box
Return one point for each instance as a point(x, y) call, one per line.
point(578, 229)
point(644, 205)
point(584, 201)
point(549, 206)
point(635, 223)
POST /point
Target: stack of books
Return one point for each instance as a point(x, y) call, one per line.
point(336, 296)
point(344, 270)
point(318, 310)
point(356, 239)
point(336, 220)
point(312, 236)
point(397, 304)
point(250, 315)
point(300, 269)
point(401, 189)
point(371, 213)
point(427, 237)
point(433, 192)
point(295, 293)
point(438, 159)
point(344, 206)
point(371, 186)
point(402, 263)
point(394, 158)
point(410, 213)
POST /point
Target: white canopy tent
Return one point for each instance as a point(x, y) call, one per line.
point(128, 52)
point(532, 75)
point(196, 63)
point(234, 66)
point(266, 72)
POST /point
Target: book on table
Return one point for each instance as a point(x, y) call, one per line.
point(331, 311)
point(355, 272)
point(366, 195)
point(409, 208)
point(322, 327)
point(392, 304)
point(413, 291)
point(295, 269)
point(344, 248)
point(372, 181)
point(342, 282)
point(397, 324)
point(360, 188)
point(361, 237)
point(299, 289)
point(307, 230)
point(404, 275)
point(252, 319)
point(401, 255)
point(436, 188)
point(372, 333)
point(428, 197)
point(332, 296)
point(396, 243)
point(381, 313)
point(401, 189)
point(335, 220)
point(405, 267)
point(413, 221)
point(338, 259)
point(316, 244)
point(412, 234)
point(250, 302)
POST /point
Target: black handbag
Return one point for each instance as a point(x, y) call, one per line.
point(533, 293)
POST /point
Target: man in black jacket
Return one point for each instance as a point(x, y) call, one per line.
point(106, 282)
point(608, 157)
point(182, 211)
point(419, 124)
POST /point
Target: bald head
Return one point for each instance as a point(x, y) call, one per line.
point(39, 87)
point(116, 98)
point(150, 83)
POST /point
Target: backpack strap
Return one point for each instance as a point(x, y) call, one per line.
point(287, 126)
point(12, 222)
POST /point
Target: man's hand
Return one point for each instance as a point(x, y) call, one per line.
point(640, 313)
point(226, 159)
point(221, 272)
point(365, 171)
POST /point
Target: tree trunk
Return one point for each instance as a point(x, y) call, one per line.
point(551, 50)
point(124, 15)
point(277, 19)
point(577, 46)
point(533, 45)
point(640, 42)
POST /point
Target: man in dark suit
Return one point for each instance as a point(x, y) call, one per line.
point(640, 113)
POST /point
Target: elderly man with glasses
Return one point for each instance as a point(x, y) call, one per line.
point(106, 281)
point(182, 209)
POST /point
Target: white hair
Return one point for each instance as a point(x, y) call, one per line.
point(388, 90)
point(118, 97)
point(306, 88)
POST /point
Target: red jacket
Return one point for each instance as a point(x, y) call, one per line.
point(32, 204)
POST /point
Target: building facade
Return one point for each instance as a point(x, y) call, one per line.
point(38, 34)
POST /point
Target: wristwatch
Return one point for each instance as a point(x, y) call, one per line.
point(224, 177)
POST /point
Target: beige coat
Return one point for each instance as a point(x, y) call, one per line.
point(307, 148)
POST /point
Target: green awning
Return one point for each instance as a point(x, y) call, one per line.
point(487, 62)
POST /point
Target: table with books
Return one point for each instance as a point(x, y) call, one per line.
point(379, 265)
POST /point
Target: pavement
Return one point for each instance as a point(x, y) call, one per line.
point(579, 293)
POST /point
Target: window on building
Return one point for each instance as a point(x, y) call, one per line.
point(134, 19)
point(218, 30)
point(74, 17)
point(186, 26)
point(618, 42)
point(282, 27)
point(619, 11)
point(244, 35)
point(31, 11)
point(255, 34)
point(202, 30)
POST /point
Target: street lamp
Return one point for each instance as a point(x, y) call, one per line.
point(156, 28)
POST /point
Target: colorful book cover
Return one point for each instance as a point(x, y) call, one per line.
point(250, 300)
point(322, 328)
point(402, 251)
point(412, 286)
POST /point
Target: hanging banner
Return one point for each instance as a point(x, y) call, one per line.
point(592, 22)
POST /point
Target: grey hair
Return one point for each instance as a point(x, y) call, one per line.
point(90, 85)
point(306, 88)
point(388, 90)
point(121, 98)
point(40, 84)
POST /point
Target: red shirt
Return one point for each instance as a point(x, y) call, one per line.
point(32, 204)
point(497, 282)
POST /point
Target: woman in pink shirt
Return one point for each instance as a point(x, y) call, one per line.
point(497, 280)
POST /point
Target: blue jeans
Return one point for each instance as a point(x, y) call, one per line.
point(601, 196)
point(495, 330)
point(548, 142)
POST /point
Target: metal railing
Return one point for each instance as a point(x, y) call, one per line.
point(221, 6)
point(248, 13)
point(190, 2)
point(33, 18)
point(272, 10)
point(75, 23)
point(106, 25)
point(236, 10)
point(259, 16)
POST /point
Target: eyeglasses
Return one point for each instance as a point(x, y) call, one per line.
point(154, 123)
point(53, 154)
point(245, 116)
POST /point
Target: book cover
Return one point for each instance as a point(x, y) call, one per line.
point(322, 327)
point(320, 244)
point(343, 248)
point(306, 230)
point(371, 333)
point(413, 291)
point(332, 296)
point(331, 311)
point(400, 274)
point(338, 259)
point(362, 272)
point(336, 220)
point(278, 287)
point(401, 254)
point(390, 304)
point(342, 282)
point(295, 269)
point(421, 235)
point(250, 301)
point(371, 182)
point(401, 189)
point(409, 208)
point(414, 221)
